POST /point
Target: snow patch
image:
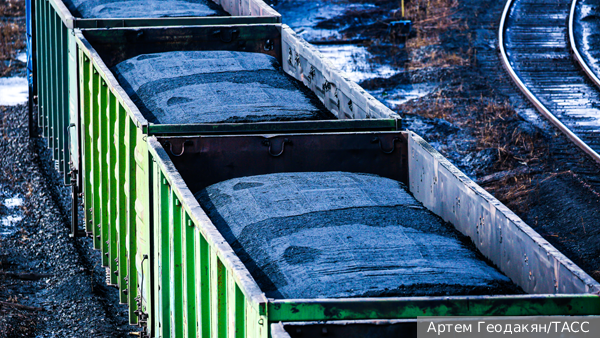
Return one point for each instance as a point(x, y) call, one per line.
point(13, 202)
point(13, 91)
point(22, 57)
point(355, 62)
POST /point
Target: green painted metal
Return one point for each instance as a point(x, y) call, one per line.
point(85, 78)
point(203, 280)
point(94, 154)
point(398, 308)
point(189, 280)
point(175, 266)
point(103, 168)
point(122, 210)
point(56, 65)
point(199, 292)
point(109, 179)
point(52, 66)
point(131, 139)
point(113, 188)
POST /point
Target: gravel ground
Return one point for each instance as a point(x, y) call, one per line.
point(58, 278)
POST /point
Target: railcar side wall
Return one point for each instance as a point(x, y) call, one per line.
point(199, 287)
point(53, 62)
point(344, 98)
point(514, 247)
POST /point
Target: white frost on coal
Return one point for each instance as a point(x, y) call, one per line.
point(13, 91)
point(336, 234)
point(214, 86)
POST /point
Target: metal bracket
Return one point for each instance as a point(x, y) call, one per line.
point(227, 35)
point(182, 147)
point(377, 139)
point(267, 143)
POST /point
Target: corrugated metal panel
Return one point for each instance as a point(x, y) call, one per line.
point(53, 76)
point(202, 288)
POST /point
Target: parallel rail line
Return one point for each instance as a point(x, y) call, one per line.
point(580, 60)
point(535, 52)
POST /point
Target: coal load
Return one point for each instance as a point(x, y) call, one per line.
point(338, 234)
point(111, 9)
point(215, 86)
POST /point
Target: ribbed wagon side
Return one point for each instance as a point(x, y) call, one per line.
point(112, 157)
point(52, 54)
point(198, 286)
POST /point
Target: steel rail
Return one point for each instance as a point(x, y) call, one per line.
point(530, 96)
point(584, 66)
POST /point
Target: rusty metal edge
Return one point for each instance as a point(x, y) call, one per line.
point(529, 95)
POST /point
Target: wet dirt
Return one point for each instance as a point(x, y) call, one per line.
point(143, 9)
point(337, 234)
point(216, 86)
point(469, 110)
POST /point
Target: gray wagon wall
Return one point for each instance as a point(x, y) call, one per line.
point(344, 98)
point(521, 253)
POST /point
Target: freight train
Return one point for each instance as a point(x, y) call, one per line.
point(238, 185)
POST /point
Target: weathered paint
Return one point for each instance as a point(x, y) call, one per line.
point(397, 308)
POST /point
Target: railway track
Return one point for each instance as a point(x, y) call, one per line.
point(535, 45)
point(574, 41)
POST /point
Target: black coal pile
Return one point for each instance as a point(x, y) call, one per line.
point(337, 234)
point(91, 9)
point(215, 86)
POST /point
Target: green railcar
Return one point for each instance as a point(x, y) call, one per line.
point(53, 56)
point(198, 286)
point(111, 152)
